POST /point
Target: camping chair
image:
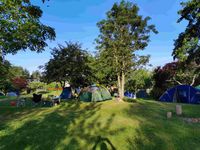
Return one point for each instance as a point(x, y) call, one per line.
point(21, 103)
point(37, 99)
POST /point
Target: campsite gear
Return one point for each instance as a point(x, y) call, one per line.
point(169, 115)
point(182, 94)
point(56, 100)
point(47, 103)
point(66, 93)
point(94, 93)
point(37, 98)
point(13, 103)
point(178, 109)
point(21, 102)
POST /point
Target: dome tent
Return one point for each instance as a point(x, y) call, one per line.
point(183, 94)
point(66, 93)
point(94, 93)
point(198, 87)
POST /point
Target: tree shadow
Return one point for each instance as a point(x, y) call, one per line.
point(68, 126)
point(155, 131)
point(103, 144)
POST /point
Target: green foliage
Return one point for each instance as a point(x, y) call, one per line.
point(17, 71)
point(36, 85)
point(139, 79)
point(5, 76)
point(36, 75)
point(21, 28)
point(69, 63)
point(104, 75)
point(78, 126)
point(187, 46)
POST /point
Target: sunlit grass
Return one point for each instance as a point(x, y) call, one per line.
point(78, 125)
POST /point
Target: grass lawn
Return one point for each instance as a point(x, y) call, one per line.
point(85, 126)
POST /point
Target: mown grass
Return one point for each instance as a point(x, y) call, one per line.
point(106, 125)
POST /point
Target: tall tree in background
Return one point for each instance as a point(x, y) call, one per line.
point(18, 71)
point(187, 46)
point(122, 33)
point(36, 75)
point(5, 76)
point(139, 79)
point(69, 63)
point(21, 28)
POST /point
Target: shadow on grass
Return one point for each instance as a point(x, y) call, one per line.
point(155, 131)
point(71, 126)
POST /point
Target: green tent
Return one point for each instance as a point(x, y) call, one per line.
point(94, 93)
point(198, 87)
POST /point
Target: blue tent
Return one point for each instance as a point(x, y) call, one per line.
point(182, 94)
point(66, 93)
point(129, 94)
point(142, 94)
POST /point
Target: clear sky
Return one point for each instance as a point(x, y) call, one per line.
point(75, 20)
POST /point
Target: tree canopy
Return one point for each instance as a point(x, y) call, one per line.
point(187, 46)
point(21, 28)
point(69, 63)
point(122, 33)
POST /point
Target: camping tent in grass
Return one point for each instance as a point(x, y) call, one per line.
point(129, 94)
point(94, 93)
point(12, 94)
point(182, 94)
point(66, 93)
point(198, 87)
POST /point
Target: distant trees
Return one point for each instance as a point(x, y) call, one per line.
point(21, 27)
point(12, 77)
point(122, 33)
point(5, 76)
point(36, 75)
point(139, 79)
point(17, 71)
point(70, 64)
point(19, 83)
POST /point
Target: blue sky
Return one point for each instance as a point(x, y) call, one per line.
point(75, 20)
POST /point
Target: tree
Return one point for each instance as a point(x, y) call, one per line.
point(174, 73)
point(36, 75)
point(104, 74)
point(36, 85)
point(122, 33)
point(187, 46)
point(5, 76)
point(19, 83)
point(18, 71)
point(69, 63)
point(139, 79)
point(21, 28)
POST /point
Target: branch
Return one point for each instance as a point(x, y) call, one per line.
point(193, 80)
point(173, 79)
point(177, 81)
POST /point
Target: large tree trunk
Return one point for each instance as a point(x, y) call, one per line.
point(121, 83)
point(122, 86)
